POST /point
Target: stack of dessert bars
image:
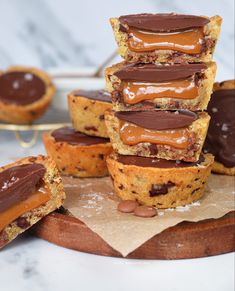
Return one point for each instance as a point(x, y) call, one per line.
point(160, 92)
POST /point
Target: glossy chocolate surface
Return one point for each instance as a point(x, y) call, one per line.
point(163, 22)
point(220, 139)
point(100, 95)
point(158, 73)
point(69, 135)
point(18, 183)
point(159, 120)
point(21, 88)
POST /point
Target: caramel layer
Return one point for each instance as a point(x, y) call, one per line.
point(33, 201)
point(189, 41)
point(135, 92)
point(132, 134)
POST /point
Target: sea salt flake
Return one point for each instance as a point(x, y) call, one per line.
point(182, 208)
point(224, 127)
point(28, 77)
point(16, 85)
point(160, 213)
point(214, 109)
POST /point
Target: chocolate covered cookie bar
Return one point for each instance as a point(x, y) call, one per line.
point(167, 38)
point(137, 86)
point(171, 135)
point(30, 189)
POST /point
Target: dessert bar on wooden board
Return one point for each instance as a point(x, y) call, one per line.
point(95, 219)
point(30, 189)
point(159, 94)
point(153, 114)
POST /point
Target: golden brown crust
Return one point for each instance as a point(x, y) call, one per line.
point(78, 160)
point(198, 104)
point(52, 181)
point(197, 130)
point(211, 30)
point(221, 169)
point(28, 113)
point(87, 115)
point(134, 183)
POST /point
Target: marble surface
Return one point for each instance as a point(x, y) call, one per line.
point(75, 33)
point(33, 264)
point(55, 34)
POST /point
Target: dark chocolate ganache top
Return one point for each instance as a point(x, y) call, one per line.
point(21, 88)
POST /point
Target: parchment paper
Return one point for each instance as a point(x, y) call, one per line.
point(93, 201)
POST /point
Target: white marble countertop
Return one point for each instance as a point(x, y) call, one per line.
point(30, 263)
point(33, 264)
point(54, 34)
point(74, 33)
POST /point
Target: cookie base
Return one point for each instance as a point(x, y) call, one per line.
point(135, 183)
point(78, 160)
point(87, 115)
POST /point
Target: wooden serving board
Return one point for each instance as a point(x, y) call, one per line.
point(183, 241)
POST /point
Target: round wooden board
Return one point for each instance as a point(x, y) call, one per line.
point(183, 241)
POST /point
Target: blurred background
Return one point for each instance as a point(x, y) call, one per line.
point(71, 34)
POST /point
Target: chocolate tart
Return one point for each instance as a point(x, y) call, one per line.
point(171, 135)
point(157, 182)
point(30, 189)
point(139, 87)
point(77, 154)
point(166, 38)
point(87, 108)
point(25, 94)
point(220, 140)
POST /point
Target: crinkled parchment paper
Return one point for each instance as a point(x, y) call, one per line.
point(93, 201)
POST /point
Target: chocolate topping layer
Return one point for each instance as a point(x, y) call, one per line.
point(159, 120)
point(220, 139)
point(158, 73)
point(100, 95)
point(163, 22)
point(155, 163)
point(18, 183)
point(21, 88)
point(69, 135)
